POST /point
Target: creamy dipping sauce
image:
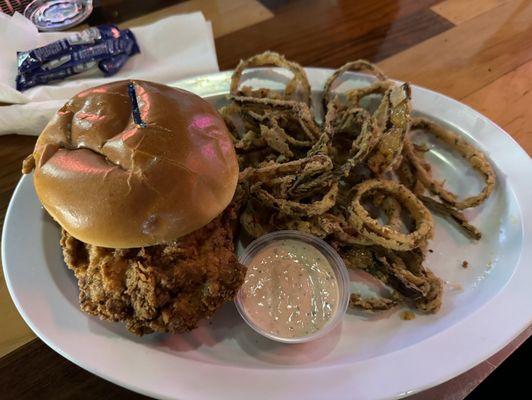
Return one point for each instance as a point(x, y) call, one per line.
point(290, 289)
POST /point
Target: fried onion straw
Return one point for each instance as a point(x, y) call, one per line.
point(336, 178)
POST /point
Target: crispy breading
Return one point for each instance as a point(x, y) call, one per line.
point(163, 288)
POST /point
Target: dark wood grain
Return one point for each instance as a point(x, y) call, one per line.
point(34, 371)
point(115, 11)
point(13, 149)
point(11, 6)
point(323, 33)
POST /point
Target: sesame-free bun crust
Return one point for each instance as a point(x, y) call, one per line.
point(111, 182)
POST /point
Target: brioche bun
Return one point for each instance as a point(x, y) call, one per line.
point(112, 180)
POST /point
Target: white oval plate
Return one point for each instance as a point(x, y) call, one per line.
point(485, 306)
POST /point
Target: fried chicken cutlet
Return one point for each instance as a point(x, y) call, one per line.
point(162, 288)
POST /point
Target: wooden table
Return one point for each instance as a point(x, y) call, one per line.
point(476, 51)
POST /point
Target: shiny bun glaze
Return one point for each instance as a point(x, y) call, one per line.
point(113, 180)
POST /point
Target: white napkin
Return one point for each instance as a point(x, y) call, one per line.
point(171, 49)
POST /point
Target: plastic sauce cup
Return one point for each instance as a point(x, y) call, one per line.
point(337, 265)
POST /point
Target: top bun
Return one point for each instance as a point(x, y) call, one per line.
point(134, 163)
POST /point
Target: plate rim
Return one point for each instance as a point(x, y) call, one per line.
point(524, 322)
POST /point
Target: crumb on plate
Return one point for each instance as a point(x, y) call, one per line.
point(407, 315)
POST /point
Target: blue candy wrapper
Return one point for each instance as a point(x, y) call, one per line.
point(104, 49)
point(108, 54)
point(112, 65)
point(28, 60)
point(25, 81)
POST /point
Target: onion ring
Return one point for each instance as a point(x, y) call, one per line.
point(372, 303)
point(431, 302)
point(275, 140)
point(392, 209)
point(423, 287)
point(324, 142)
point(311, 226)
point(272, 122)
point(393, 115)
point(354, 66)
point(291, 207)
point(364, 143)
point(354, 96)
point(474, 157)
point(298, 86)
point(298, 110)
point(384, 235)
point(407, 177)
point(453, 214)
point(314, 164)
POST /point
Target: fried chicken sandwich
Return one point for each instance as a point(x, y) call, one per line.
point(141, 177)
